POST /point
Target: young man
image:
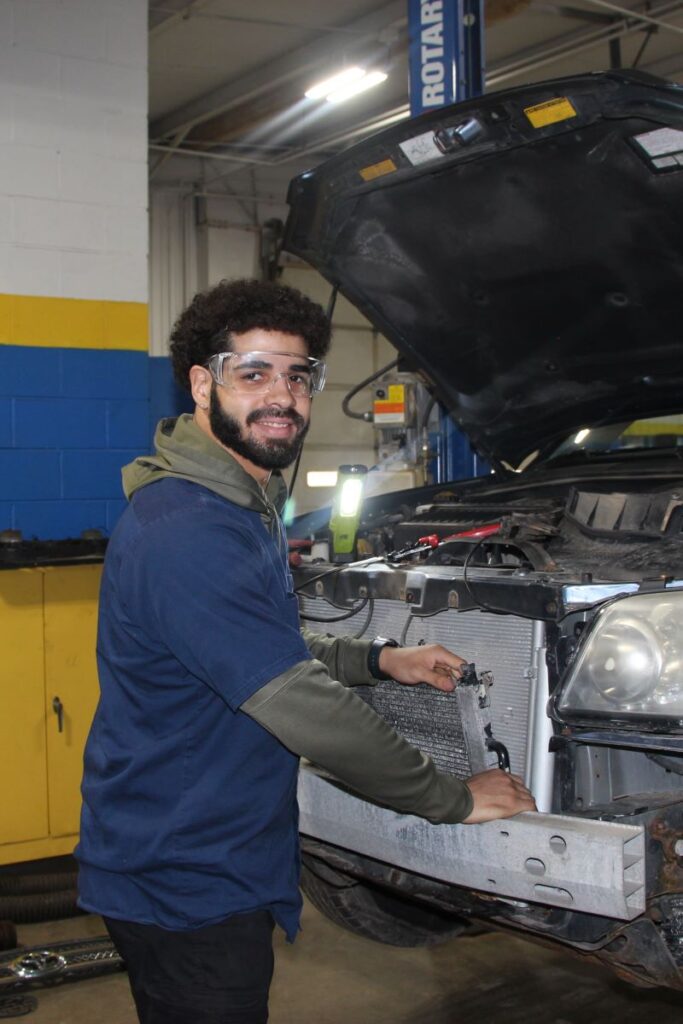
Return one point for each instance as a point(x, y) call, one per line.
point(209, 690)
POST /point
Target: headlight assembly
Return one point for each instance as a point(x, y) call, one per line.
point(630, 661)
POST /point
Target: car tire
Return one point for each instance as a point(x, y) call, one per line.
point(373, 912)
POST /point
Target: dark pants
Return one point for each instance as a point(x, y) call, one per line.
point(215, 975)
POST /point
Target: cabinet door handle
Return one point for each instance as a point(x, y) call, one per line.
point(58, 709)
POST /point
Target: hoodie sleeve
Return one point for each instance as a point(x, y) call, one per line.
point(345, 658)
point(318, 718)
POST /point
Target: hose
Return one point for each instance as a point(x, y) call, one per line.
point(34, 907)
point(20, 885)
point(365, 416)
point(8, 935)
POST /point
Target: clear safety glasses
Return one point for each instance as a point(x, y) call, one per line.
point(256, 373)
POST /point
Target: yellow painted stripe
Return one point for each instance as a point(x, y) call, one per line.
point(72, 323)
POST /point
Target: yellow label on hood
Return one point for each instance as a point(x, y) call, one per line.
point(550, 112)
point(378, 170)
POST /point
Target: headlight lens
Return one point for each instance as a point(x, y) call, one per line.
point(631, 660)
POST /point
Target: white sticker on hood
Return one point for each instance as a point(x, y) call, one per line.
point(421, 149)
point(661, 141)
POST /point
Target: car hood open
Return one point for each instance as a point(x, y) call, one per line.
point(523, 250)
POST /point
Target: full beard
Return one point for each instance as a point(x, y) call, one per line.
point(272, 454)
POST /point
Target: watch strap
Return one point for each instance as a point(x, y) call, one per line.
point(376, 648)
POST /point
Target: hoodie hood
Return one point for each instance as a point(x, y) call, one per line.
point(185, 452)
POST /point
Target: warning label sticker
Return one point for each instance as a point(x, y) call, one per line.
point(550, 112)
point(391, 409)
point(661, 141)
point(378, 170)
point(664, 146)
point(421, 149)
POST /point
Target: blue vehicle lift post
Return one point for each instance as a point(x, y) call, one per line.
point(447, 66)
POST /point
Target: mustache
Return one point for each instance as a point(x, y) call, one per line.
point(275, 414)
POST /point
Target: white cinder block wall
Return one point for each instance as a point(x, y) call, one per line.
point(73, 150)
point(73, 259)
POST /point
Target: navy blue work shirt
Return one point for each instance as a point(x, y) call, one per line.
point(189, 806)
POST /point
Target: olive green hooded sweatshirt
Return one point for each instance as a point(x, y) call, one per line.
point(307, 708)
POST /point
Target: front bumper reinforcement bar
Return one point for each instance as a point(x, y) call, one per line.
point(576, 863)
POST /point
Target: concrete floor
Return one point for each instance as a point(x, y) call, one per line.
point(332, 977)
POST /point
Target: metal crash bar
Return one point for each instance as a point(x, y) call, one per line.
point(575, 863)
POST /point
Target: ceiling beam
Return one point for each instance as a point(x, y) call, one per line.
point(274, 73)
point(162, 16)
point(626, 12)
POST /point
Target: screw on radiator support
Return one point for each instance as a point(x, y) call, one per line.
point(453, 599)
point(362, 591)
point(319, 588)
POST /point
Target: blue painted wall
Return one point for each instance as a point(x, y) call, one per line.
point(165, 397)
point(69, 420)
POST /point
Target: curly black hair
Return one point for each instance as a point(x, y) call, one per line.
point(233, 307)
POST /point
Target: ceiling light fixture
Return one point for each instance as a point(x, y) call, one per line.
point(368, 80)
point(328, 85)
point(347, 83)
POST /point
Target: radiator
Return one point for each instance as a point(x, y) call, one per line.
point(450, 727)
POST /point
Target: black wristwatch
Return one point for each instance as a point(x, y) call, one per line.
point(376, 648)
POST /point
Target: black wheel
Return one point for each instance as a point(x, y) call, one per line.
point(374, 912)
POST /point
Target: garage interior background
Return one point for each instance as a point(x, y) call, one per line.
point(82, 377)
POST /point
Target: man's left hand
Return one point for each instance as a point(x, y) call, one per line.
point(431, 663)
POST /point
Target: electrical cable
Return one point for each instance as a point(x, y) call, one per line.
point(404, 631)
point(294, 474)
point(343, 565)
point(314, 579)
point(477, 601)
point(365, 416)
point(336, 618)
point(417, 615)
point(465, 566)
point(368, 620)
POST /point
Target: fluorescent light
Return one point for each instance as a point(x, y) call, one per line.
point(353, 88)
point(324, 88)
point(581, 436)
point(321, 478)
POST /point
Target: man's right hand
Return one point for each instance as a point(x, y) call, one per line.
point(497, 794)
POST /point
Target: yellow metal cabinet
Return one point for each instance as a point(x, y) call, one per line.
point(23, 739)
point(48, 682)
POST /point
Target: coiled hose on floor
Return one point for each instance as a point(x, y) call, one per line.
point(25, 899)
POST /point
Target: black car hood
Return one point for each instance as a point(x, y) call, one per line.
point(534, 274)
